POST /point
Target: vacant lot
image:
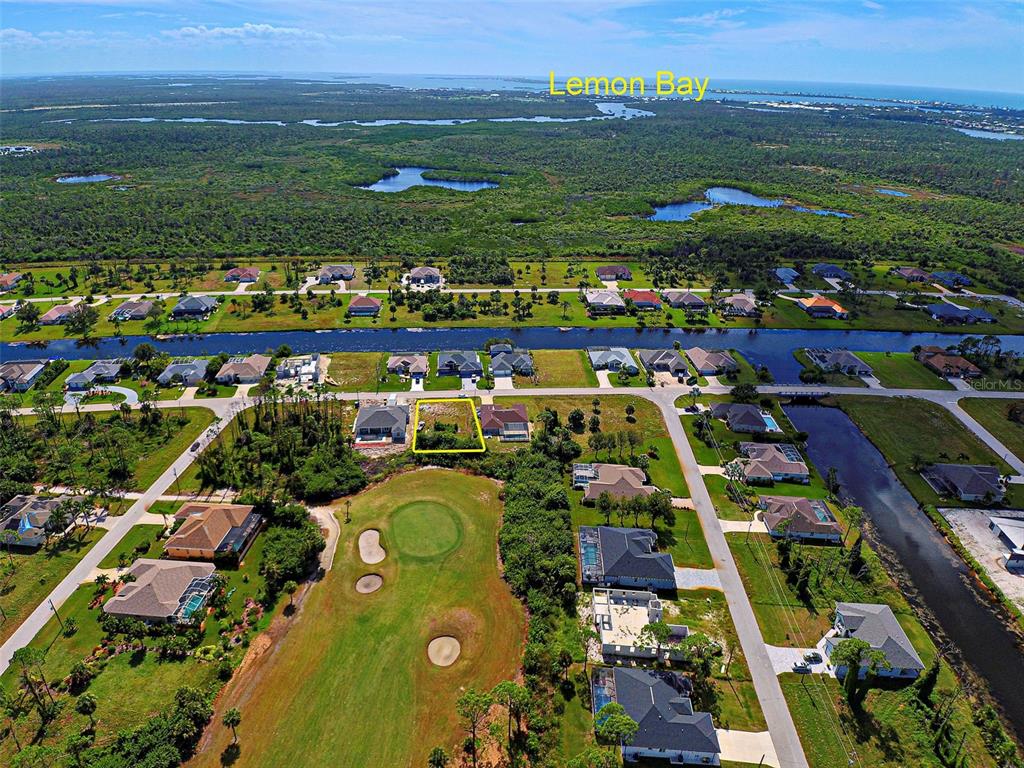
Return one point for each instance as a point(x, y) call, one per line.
point(559, 368)
point(351, 681)
point(994, 415)
point(899, 370)
point(364, 372)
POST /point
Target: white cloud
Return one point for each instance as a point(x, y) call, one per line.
point(715, 19)
point(245, 33)
point(873, 5)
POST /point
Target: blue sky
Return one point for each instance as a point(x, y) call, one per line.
point(975, 45)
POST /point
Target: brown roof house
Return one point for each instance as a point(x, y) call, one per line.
point(57, 315)
point(947, 365)
point(508, 422)
point(711, 362)
point(242, 275)
point(408, 365)
point(768, 463)
point(213, 532)
point(794, 517)
point(620, 481)
point(739, 305)
point(243, 370)
point(425, 276)
point(608, 272)
point(164, 591)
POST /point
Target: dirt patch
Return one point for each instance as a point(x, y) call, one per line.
point(371, 582)
point(370, 549)
point(443, 651)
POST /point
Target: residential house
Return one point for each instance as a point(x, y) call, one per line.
point(57, 315)
point(513, 361)
point(380, 423)
point(132, 310)
point(913, 274)
point(213, 532)
point(304, 368)
point(617, 480)
point(507, 422)
point(194, 306)
point(242, 275)
point(794, 517)
point(9, 281)
point(364, 306)
point(425, 276)
point(952, 314)
point(768, 463)
point(832, 271)
point(25, 521)
point(331, 273)
point(660, 704)
point(642, 300)
point(19, 375)
point(838, 360)
point(966, 482)
point(1010, 532)
point(877, 626)
point(610, 272)
point(685, 300)
point(8, 310)
point(604, 302)
point(414, 366)
point(624, 557)
point(951, 279)
point(664, 361)
point(745, 418)
point(786, 275)
point(619, 618)
point(188, 371)
point(106, 371)
point(822, 306)
point(243, 370)
point(164, 591)
point(456, 363)
point(947, 365)
point(711, 362)
point(739, 305)
point(612, 359)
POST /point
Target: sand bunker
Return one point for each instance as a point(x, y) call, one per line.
point(369, 547)
point(371, 582)
point(444, 650)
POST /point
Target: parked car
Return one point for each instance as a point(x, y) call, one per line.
point(801, 666)
point(812, 657)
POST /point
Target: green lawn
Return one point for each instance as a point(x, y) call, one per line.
point(37, 573)
point(994, 416)
point(559, 368)
point(364, 372)
point(899, 370)
point(140, 541)
point(393, 705)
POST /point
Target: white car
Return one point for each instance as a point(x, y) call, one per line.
point(801, 666)
point(812, 657)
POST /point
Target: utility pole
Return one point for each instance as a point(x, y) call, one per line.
point(55, 613)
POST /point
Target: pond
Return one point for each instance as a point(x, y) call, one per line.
point(995, 135)
point(730, 196)
point(939, 576)
point(412, 176)
point(92, 179)
point(891, 192)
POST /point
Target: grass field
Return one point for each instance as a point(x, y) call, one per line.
point(899, 370)
point(364, 372)
point(994, 416)
point(910, 431)
point(559, 368)
point(351, 681)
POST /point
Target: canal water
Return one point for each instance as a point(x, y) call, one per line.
point(769, 347)
point(937, 573)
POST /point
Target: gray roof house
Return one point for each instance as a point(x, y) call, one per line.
point(377, 423)
point(711, 362)
point(684, 300)
point(744, 417)
point(612, 359)
point(25, 520)
point(665, 360)
point(659, 702)
point(842, 360)
point(455, 363)
point(877, 626)
point(739, 305)
point(101, 370)
point(330, 273)
point(164, 591)
point(191, 371)
point(604, 302)
point(786, 275)
point(768, 463)
point(624, 557)
point(516, 361)
point(194, 306)
point(19, 375)
point(794, 517)
point(132, 310)
point(967, 482)
point(833, 271)
point(408, 365)
point(949, 313)
point(424, 275)
point(1010, 532)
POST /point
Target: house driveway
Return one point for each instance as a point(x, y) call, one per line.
point(602, 380)
point(468, 385)
point(417, 384)
point(504, 382)
point(131, 397)
point(742, 526)
point(783, 659)
point(753, 747)
point(697, 578)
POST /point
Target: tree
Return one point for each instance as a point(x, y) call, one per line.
point(27, 315)
point(595, 423)
point(605, 505)
point(576, 419)
point(594, 757)
point(655, 634)
point(852, 653)
point(614, 726)
point(289, 589)
point(81, 321)
point(86, 705)
point(515, 699)
point(744, 393)
point(232, 719)
point(472, 707)
point(438, 758)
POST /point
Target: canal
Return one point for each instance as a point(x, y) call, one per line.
point(937, 574)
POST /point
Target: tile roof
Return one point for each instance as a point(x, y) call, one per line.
point(499, 416)
point(158, 588)
point(877, 626)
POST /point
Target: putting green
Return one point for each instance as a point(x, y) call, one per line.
point(424, 529)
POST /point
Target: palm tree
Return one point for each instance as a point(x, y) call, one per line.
point(232, 719)
point(86, 705)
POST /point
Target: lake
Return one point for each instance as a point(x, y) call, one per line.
point(891, 192)
point(769, 347)
point(93, 179)
point(938, 575)
point(412, 176)
point(730, 196)
point(990, 134)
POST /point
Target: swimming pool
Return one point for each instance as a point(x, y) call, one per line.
point(773, 425)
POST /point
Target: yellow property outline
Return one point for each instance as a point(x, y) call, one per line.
point(476, 421)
